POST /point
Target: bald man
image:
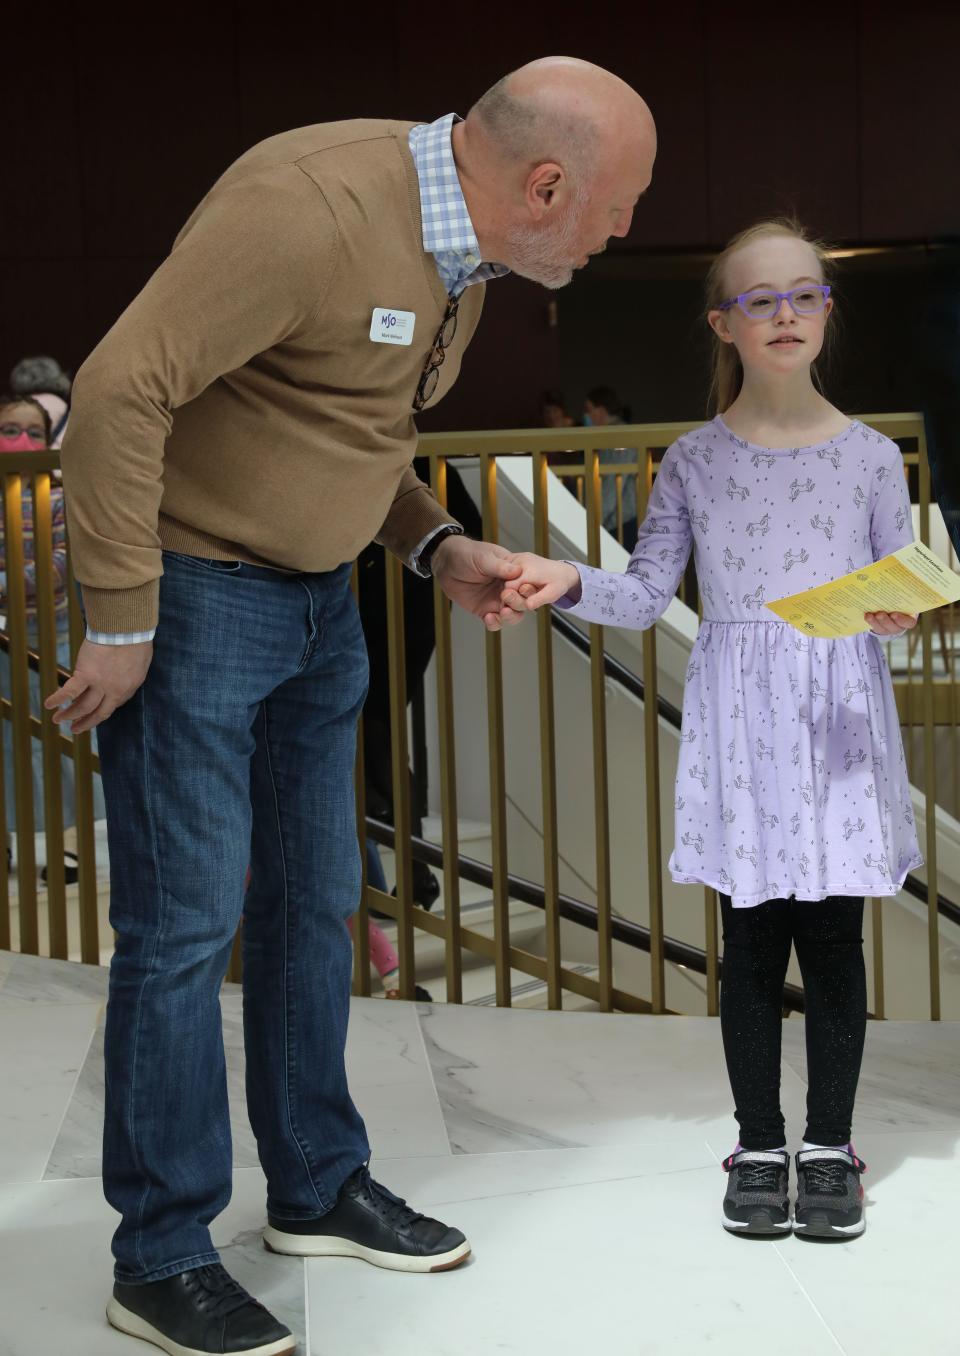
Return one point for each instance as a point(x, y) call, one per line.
point(243, 431)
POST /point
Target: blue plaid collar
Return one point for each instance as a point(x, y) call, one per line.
point(448, 232)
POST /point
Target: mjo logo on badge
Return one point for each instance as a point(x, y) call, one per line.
point(392, 327)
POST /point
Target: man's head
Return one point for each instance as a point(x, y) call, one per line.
point(552, 160)
point(602, 406)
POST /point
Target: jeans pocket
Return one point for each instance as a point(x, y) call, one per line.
point(205, 563)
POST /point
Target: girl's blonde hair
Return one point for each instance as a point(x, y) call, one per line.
point(727, 375)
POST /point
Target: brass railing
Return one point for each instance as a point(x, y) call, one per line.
point(919, 701)
point(62, 920)
point(66, 931)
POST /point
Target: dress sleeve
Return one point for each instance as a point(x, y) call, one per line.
point(637, 598)
point(891, 522)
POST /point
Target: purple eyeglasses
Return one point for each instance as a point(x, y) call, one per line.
point(805, 300)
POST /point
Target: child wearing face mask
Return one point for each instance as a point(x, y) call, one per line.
point(25, 427)
point(792, 799)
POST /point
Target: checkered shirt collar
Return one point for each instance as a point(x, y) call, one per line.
point(448, 232)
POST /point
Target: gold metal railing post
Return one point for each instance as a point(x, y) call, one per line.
point(651, 749)
point(20, 716)
point(45, 592)
point(450, 833)
point(83, 767)
point(879, 1002)
point(361, 919)
point(548, 752)
point(495, 736)
point(929, 755)
point(396, 652)
point(601, 789)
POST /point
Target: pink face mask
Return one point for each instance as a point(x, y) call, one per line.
point(22, 443)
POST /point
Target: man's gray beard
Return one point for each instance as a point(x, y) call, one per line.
point(541, 255)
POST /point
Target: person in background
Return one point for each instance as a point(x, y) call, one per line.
point(44, 380)
point(553, 411)
point(25, 427)
point(601, 408)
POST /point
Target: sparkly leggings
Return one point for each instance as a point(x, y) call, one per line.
point(756, 951)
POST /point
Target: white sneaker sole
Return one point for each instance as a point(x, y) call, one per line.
point(310, 1245)
point(135, 1326)
point(771, 1228)
point(832, 1231)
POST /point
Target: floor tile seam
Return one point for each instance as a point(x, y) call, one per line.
point(17, 1003)
point(564, 1186)
point(81, 1065)
point(630, 1148)
point(778, 1249)
point(433, 1081)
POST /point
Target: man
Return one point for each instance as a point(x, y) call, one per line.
point(242, 432)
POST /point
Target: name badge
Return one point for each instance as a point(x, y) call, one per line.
point(392, 327)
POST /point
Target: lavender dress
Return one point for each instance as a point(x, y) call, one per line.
point(791, 779)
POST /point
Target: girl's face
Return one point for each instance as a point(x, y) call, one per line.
point(785, 342)
point(18, 420)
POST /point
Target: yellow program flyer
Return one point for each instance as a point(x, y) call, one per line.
point(912, 579)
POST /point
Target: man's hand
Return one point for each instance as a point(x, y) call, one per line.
point(104, 678)
point(473, 574)
point(889, 623)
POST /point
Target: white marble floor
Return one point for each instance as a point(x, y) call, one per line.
point(579, 1152)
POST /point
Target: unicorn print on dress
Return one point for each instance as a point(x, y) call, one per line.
point(731, 561)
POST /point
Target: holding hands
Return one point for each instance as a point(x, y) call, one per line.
point(539, 582)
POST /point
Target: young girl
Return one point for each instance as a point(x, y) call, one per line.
point(792, 795)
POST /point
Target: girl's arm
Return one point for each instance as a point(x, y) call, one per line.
point(638, 597)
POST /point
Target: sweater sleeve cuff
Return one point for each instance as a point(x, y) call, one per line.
point(122, 610)
point(414, 516)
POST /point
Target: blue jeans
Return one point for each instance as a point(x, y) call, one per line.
point(239, 748)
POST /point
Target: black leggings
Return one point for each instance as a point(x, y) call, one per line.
point(756, 951)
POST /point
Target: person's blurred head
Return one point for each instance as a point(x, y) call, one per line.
point(602, 406)
point(40, 376)
point(24, 425)
point(553, 159)
point(553, 411)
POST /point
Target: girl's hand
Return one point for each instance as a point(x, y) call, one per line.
point(539, 583)
point(889, 623)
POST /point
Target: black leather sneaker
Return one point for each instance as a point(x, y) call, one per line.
point(756, 1200)
point(829, 1194)
point(199, 1313)
point(369, 1222)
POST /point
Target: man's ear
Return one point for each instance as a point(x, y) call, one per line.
point(546, 185)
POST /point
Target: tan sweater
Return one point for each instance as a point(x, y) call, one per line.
point(238, 408)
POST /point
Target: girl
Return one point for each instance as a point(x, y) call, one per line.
point(792, 796)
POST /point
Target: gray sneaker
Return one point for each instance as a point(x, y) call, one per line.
point(757, 1201)
point(829, 1194)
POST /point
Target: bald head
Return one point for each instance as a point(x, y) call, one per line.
point(564, 110)
point(552, 160)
